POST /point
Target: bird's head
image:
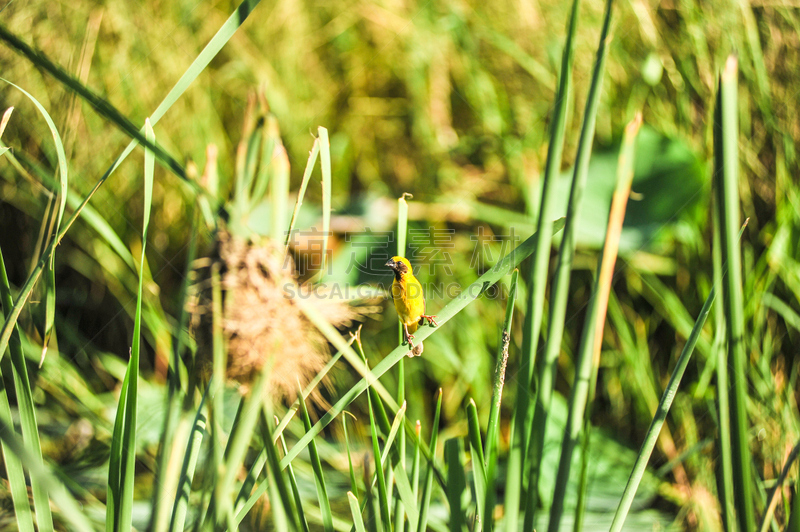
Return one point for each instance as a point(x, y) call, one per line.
point(400, 265)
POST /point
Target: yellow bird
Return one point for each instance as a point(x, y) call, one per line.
point(409, 301)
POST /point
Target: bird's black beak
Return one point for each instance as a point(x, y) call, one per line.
point(390, 263)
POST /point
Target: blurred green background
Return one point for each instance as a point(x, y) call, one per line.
point(449, 101)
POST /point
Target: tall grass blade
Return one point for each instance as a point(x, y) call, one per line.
point(312, 160)
point(725, 468)
point(298, 501)
point(242, 434)
point(50, 280)
point(383, 498)
point(123, 447)
point(537, 279)
point(353, 483)
point(456, 483)
point(663, 409)
point(319, 478)
point(493, 428)
point(478, 464)
point(325, 164)
point(660, 417)
point(503, 267)
point(402, 232)
point(560, 290)
point(588, 357)
point(279, 494)
point(358, 522)
point(178, 424)
point(279, 191)
point(13, 465)
point(427, 487)
point(184, 489)
point(726, 130)
point(27, 412)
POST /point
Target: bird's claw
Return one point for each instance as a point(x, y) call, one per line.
point(431, 320)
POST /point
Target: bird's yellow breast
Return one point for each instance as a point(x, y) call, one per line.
point(409, 300)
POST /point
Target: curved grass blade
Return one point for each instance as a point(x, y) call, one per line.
point(312, 160)
point(103, 107)
point(588, 357)
point(560, 289)
point(50, 280)
point(122, 462)
point(456, 305)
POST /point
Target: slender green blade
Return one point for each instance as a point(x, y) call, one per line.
point(493, 428)
point(383, 497)
point(456, 483)
point(298, 501)
point(660, 417)
point(14, 471)
point(189, 466)
point(588, 355)
point(402, 232)
point(560, 291)
point(123, 447)
point(279, 493)
point(312, 160)
point(427, 488)
point(726, 127)
point(398, 420)
point(409, 501)
point(353, 483)
point(478, 464)
point(537, 280)
point(325, 163)
point(319, 478)
point(358, 522)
